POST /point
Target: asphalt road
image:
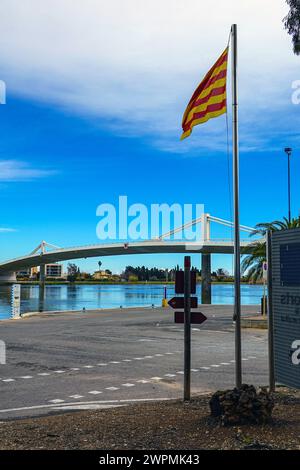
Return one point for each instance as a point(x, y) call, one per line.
point(64, 361)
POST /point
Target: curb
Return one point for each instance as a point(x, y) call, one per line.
point(255, 322)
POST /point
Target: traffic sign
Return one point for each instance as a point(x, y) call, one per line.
point(196, 317)
point(178, 302)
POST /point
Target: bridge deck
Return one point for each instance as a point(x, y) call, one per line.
point(118, 249)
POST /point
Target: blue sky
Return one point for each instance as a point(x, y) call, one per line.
point(93, 111)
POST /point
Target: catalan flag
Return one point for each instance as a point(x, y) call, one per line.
point(209, 99)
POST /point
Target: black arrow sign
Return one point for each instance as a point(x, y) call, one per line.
point(196, 317)
point(178, 302)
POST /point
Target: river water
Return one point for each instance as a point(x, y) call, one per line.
point(77, 297)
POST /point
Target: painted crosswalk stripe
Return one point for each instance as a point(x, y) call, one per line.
point(180, 372)
point(59, 371)
point(170, 375)
point(44, 374)
point(128, 385)
point(112, 388)
point(143, 381)
point(114, 362)
point(88, 367)
point(75, 368)
point(26, 377)
point(76, 396)
point(57, 400)
point(95, 392)
point(205, 368)
point(155, 378)
point(102, 364)
point(8, 380)
point(225, 363)
point(127, 360)
point(214, 365)
point(195, 370)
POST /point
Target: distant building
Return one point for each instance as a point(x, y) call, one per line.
point(54, 270)
point(101, 275)
point(23, 273)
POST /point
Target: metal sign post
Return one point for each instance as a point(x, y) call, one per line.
point(185, 283)
point(187, 329)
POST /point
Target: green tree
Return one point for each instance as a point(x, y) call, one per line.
point(73, 272)
point(253, 262)
point(292, 23)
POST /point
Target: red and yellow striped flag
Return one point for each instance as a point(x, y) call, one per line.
point(209, 99)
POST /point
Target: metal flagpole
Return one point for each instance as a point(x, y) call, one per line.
point(237, 269)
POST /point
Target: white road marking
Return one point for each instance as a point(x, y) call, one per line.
point(95, 392)
point(128, 385)
point(75, 368)
point(26, 377)
point(195, 370)
point(252, 357)
point(245, 359)
point(57, 400)
point(205, 368)
point(169, 353)
point(102, 364)
point(214, 365)
point(59, 371)
point(225, 363)
point(180, 372)
point(44, 374)
point(143, 381)
point(232, 360)
point(127, 360)
point(8, 380)
point(112, 388)
point(114, 362)
point(138, 358)
point(155, 378)
point(170, 375)
point(39, 407)
point(76, 396)
point(88, 367)
point(158, 355)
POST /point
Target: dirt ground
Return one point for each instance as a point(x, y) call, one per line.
point(156, 425)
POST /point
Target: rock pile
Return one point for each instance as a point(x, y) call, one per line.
point(242, 406)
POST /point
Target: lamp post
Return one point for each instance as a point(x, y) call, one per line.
point(288, 151)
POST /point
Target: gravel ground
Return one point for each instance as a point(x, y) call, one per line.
point(156, 425)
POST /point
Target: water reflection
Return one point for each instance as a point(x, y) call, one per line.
point(77, 297)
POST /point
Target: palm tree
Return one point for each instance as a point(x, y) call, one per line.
point(253, 262)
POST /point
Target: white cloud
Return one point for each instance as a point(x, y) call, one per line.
point(133, 64)
point(14, 170)
point(6, 230)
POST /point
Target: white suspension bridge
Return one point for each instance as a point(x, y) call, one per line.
point(46, 253)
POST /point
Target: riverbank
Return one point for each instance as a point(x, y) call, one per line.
point(156, 425)
point(117, 283)
point(58, 297)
